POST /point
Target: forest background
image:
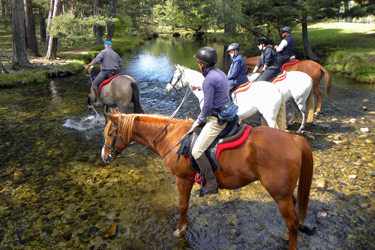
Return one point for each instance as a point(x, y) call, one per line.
point(45, 38)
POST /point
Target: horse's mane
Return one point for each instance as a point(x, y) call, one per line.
point(127, 122)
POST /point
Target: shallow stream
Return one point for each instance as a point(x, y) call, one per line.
point(56, 192)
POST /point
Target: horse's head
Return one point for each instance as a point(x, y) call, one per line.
point(94, 72)
point(176, 82)
point(116, 137)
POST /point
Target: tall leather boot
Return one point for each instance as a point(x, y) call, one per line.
point(99, 101)
point(211, 186)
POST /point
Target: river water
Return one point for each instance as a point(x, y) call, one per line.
point(56, 193)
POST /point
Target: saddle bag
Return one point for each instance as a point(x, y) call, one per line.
point(227, 113)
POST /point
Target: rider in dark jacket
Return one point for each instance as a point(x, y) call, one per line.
point(237, 72)
point(286, 48)
point(267, 60)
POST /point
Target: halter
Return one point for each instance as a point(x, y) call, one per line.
point(179, 79)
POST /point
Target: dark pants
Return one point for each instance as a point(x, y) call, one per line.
point(100, 78)
point(268, 75)
point(280, 61)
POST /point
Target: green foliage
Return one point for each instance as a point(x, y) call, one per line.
point(70, 29)
point(123, 24)
point(358, 66)
point(13, 80)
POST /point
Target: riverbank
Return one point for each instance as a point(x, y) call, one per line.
point(347, 48)
point(69, 61)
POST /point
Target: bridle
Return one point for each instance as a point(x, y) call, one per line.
point(178, 79)
point(111, 154)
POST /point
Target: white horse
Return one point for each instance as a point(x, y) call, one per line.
point(297, 88)
point(262, 96)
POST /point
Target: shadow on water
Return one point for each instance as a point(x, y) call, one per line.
point(56, 192)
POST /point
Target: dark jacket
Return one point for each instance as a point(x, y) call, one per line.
point(288, 51)
point(268, 57)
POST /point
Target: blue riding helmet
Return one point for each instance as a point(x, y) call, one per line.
point(107, 43)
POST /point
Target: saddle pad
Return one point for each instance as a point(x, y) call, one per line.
point(289, 64)
point(280, 78)
point(106, 81)
point(243, 87)
point(233, 144)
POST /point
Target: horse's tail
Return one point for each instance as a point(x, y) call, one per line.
point(281, 115)
point(327, 80)
point(136, 98)
point(305, 176)
point(310, 104)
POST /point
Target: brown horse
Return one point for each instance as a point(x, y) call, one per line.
point(313, 69)
point(276, 158)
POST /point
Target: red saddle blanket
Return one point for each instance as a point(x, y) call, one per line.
point(243, 87)
point(105, 82)
point(280, 77)
point(224, 146)
point(289, 64)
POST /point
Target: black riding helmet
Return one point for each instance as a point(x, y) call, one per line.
point(262, 40)
point(286, 29)
point(207, 55)
point(233, 46)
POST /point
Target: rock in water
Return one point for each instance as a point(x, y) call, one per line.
point(110, 232)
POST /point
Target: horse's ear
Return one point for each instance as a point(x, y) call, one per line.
point(113, 119)
point(113, 111)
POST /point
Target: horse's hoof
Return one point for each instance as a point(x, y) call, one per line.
point(300, 132)
point(285, 235)
point(179, 233)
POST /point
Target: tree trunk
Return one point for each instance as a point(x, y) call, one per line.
point(310, 54)
point(18, 34)
point(42, 26)
point(111, 25)
point(32, 42)
point(52, 41)
point(98, 10)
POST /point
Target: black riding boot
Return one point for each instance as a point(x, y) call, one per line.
point(99, 101)
point(211, 186)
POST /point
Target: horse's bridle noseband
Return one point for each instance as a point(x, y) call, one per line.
point(112, 147)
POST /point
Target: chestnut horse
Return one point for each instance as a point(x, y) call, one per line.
point(276, 158)
point(313, 69)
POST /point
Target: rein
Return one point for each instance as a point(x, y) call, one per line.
point(112, 156)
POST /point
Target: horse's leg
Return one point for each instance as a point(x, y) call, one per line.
point(318, 95)
point(287, 209)
point(294, 113)
point(184, 189)
point(304, 115)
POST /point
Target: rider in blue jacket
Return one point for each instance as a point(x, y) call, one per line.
point(237, 72)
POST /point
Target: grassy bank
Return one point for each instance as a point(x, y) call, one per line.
point(348, 48)
point(70, 60)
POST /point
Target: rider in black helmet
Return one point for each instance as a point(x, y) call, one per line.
point(267, 60)
point(216, 94)
point(237, 72)
point(286, 48)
